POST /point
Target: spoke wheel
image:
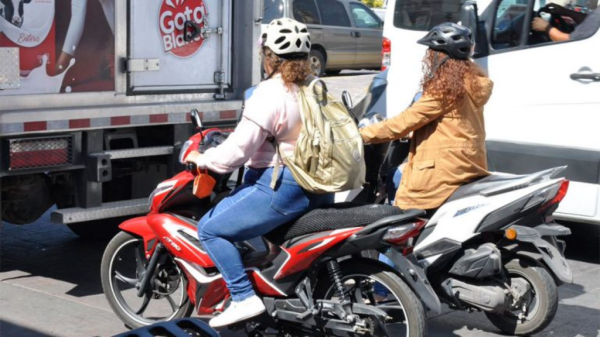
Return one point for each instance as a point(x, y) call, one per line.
point(537, 307)
point(123, 266)
point(370, 284)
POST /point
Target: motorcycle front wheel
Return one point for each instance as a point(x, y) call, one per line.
point(536, 311)
point(123, 265)
point(370, 284)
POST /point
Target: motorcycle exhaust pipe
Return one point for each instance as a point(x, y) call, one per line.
point(487, 297)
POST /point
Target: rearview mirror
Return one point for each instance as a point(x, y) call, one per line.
point(196, 120)
point(468, 17)
point(347, 100)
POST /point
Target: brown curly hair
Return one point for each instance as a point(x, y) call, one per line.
point(449, 82)
point(293, 70)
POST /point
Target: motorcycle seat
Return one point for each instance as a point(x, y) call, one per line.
point(339, 216)
point(490, 182)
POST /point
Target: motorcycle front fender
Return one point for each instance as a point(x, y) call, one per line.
point(415, 277)
point(139, 227)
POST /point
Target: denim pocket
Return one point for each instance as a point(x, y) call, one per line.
point(289, 198)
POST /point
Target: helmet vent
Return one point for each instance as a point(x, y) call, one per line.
point(286, 45)
point(298, 43)
point(296, 29)
point(285, 31)
point(280, 40)
point(307, 44)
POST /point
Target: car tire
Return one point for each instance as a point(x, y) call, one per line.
point(317, 63)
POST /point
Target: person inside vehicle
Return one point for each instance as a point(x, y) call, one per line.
point(588, 25)
point(447, 149)
point(254, 208)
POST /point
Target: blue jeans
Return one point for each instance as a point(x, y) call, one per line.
point(393, 183)
point(250, 211)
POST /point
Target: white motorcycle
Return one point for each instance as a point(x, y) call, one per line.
point(493, 247)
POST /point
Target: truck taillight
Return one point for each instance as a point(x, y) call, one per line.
point(32, 153)
point(386, 53)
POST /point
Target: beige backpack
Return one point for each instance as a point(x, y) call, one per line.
point(329, 153)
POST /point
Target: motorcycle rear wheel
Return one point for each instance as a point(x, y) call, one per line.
point(542, 307)
point(122, 267)
point(354, 275)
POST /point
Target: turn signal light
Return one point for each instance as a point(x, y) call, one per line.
point(510, 234)
point(386, 53)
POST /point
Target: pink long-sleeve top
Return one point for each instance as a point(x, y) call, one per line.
point(271, 110)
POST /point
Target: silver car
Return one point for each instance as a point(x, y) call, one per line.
point(345, 34)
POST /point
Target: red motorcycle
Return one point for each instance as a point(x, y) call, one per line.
point(311, 276)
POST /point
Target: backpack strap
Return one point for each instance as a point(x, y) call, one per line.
point(313, 85)
point(278, 157)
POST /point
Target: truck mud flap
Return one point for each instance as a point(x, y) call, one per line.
point(416, 279)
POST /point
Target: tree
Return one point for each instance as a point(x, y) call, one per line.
point(373, 3)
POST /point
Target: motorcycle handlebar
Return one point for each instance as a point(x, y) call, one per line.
point(191, 167)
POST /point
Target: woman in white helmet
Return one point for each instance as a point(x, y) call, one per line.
point(254, 208)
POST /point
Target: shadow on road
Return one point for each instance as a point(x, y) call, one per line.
point(51, 251)
point(13, 329)
point(351, 73)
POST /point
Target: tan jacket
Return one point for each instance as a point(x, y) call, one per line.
point(447, 149)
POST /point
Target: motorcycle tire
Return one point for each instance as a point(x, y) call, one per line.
point(119, 305)
point(413, 308)
point(543, 287)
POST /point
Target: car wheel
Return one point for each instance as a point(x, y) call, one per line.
point(317, 63)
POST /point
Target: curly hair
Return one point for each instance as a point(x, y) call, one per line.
point(293, 70)
point(449, 82)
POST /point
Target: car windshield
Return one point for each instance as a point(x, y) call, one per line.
point(423, 15)
point(273, 10)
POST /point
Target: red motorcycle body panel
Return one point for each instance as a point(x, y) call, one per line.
point(302, 255)
point(180, 238)
point(139, 227)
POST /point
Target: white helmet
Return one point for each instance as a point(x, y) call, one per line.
point(286, 36)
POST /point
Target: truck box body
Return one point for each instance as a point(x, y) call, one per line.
point(95, 97)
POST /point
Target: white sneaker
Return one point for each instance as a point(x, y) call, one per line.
point(239, 311)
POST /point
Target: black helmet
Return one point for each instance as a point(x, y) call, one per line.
point(451, 38)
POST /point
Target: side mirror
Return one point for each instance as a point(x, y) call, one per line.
point(468, 17)
point(196, 120)
point(347, 100)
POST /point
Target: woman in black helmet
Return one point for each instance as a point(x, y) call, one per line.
point(448, 145)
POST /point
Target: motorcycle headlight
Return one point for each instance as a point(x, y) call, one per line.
point(184, 149)
point(161, 188)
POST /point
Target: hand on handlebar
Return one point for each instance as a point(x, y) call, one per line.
point(192, 161)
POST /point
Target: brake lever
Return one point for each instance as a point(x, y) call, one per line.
point(191, 167)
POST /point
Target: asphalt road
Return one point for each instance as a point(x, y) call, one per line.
point(50, 280)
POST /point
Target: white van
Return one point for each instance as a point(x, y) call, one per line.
point(545, 108)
